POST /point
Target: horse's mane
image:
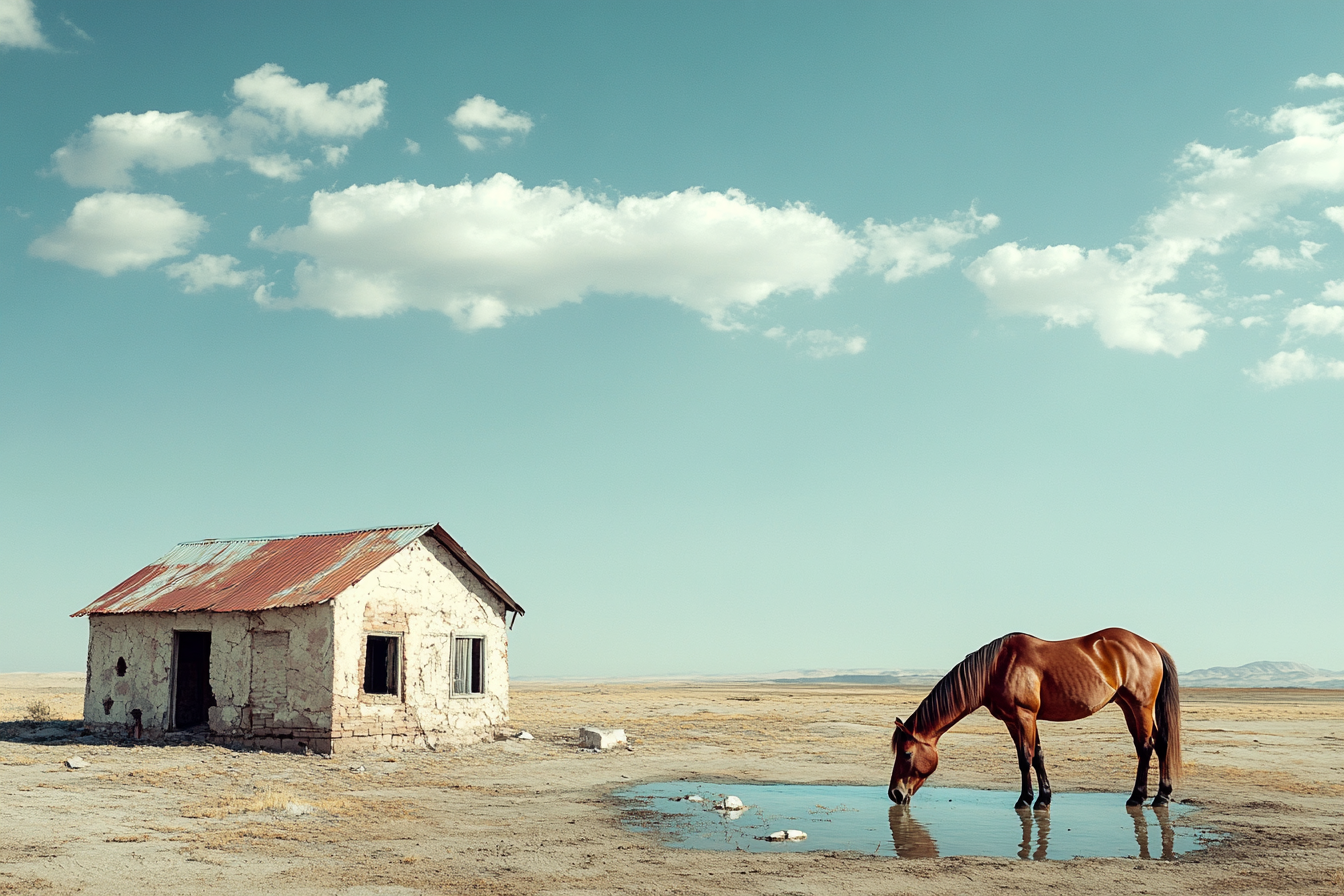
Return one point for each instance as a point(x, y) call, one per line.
point(959, 692)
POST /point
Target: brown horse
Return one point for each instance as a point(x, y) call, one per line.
point(1020, 679)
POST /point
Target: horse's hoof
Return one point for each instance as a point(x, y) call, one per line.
point(1022, 804)
point(1134, 801)
point(1159, 802)
point(1041, 804)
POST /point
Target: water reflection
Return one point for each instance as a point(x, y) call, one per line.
point(1041, 819)
point(1163, 824)
point(909, 838)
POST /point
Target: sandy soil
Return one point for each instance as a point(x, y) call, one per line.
point(532, 817)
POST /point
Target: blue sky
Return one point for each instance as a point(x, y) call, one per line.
point(728, 337)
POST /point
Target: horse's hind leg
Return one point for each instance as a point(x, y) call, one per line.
point(1141, 729)
point(1164, 784)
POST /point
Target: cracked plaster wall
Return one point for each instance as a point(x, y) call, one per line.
point(145, 642)
point(424, 595)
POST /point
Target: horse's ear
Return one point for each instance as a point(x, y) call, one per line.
point(900, 726)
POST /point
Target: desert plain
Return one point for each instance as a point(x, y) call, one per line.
point(1264, 767)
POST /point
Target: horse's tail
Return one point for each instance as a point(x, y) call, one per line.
point(1168, 714)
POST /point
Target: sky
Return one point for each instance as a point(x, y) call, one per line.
point(728, 337)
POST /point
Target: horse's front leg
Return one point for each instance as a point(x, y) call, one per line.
point(1025, 752)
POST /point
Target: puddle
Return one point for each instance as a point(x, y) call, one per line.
point(943, 821)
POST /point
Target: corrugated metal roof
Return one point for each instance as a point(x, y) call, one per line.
point(247, 574)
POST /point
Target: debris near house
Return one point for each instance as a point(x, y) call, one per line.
point(76, 762)
point(371, 638)
point(523, 735)
point(601, 738)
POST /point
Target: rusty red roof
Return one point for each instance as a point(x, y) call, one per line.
point(224, 575)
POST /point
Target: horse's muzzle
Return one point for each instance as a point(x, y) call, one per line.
point(899, 793)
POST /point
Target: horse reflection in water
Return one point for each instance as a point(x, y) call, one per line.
point(909, 838)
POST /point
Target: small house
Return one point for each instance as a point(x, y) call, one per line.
point(329, 642)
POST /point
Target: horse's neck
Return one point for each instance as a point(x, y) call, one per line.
point(931, 726)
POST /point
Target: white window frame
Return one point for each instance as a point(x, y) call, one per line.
point(458, 638)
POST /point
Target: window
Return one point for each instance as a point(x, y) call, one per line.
point(382, 664)
point(468, 665)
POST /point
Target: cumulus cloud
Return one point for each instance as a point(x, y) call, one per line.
point(486, 115)
point(113, 232)
point(1317, 320)
point(1334, 79)
point(1296, 366)
point(411, 147)
point(819, 344)
point(482, 252)
point(917, 247)
point(1224, 193)
point(271, 107)
point(19, 27)
point(210, 271)
point(1271, 258)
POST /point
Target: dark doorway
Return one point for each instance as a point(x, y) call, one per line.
point(191, 682)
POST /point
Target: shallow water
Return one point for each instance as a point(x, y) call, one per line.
point(943, 821)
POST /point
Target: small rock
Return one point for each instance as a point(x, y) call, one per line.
point(356, 768)
point(601, 738)
point(778, 836)
point(695, 799)
point(523, 735)
point(791, 834)
point(76, 762)
point(730, 804)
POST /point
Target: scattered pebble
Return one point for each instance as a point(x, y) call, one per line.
point(356, 768)
point(76, 762)
point(730, 804)
point(523, 735)
point(784, 835)
point(695, 799)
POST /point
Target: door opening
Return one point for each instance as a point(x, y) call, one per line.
point(191, 679)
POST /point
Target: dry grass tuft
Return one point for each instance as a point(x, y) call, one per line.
point(39, 711)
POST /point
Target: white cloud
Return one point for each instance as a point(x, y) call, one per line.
point(1070, 287)
point(482, 114)
point(1270, 258)
point(19, 27)
point(1333, 290)
point(481, 252)
point(1336, 214)
point(1225, 193)
point(819, 344)
point(1248, 322)
point(209, 271)
point(75, 29)
point(112, 145)
point(412, 148)
point(1334, 79)
point(310, 108)
point(479, 113)
point(1297, 366)
point(920, 246)
point(273, 107)
point(279, 166)
point(1317, 320)
point(113, 232)
point(335, 155)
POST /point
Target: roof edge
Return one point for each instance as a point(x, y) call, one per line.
point(442, 537)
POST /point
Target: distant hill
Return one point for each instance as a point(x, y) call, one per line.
point(1263, 674)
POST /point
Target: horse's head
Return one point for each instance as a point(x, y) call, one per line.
point(916, 759)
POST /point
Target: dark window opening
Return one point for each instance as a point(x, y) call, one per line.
point(191, 678)
point(107, 707)
point(382, 665)
point(121, 667)
point(468, 665)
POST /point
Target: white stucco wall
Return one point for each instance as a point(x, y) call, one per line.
point(145, 642)
point(424, 595)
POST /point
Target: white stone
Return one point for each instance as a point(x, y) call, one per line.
point(523, 735)
point(777, 835)
point(791, 834)
point(695, 799)
point(76, 762)
point(730, 804)
point(601, 738)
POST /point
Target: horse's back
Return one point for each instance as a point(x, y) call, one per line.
point(1074, 678)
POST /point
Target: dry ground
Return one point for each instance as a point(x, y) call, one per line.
point(532, 817)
